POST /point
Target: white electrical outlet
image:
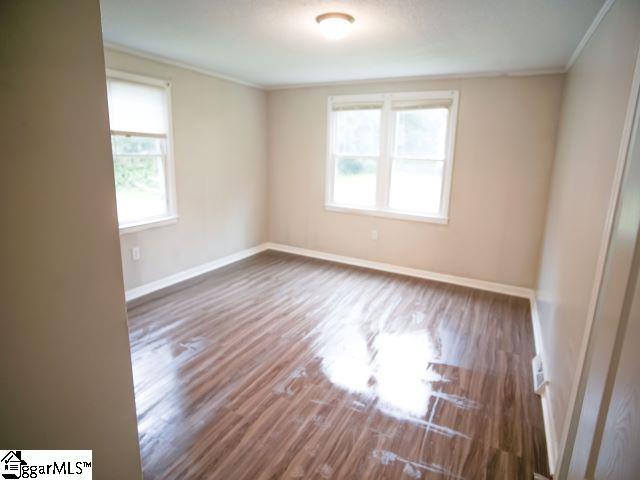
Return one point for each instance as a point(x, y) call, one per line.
point(539, 379)
point(374, 235)
point(135, 253)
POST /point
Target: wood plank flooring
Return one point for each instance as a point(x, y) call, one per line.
point(281, 366)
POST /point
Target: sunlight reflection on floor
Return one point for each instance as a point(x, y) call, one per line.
point(397, 370)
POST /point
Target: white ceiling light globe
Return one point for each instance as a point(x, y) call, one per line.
point(335, 26)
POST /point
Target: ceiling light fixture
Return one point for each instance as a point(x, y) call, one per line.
point(335, 25)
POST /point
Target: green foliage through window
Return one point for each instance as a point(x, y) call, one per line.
point(355, 166)
point(138, 162)
point(137, 173)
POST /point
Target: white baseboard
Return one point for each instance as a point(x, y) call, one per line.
point(147, 288)
point(411, 272)
point(549, 426)
point(549, 429)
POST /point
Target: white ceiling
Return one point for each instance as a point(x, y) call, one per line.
point(277, 42)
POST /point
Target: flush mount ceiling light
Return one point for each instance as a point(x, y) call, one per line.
point(335, 25)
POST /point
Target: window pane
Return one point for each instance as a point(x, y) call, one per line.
point(421, 133)
point(134, 107)
point(355, 182)
point(357, 132)
point(416, 185)
point(129, 145)
point(140, 187)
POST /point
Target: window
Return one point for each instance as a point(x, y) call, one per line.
point(392, 154)
point(139, 114)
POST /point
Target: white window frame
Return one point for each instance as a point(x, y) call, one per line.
point(387, 132)
point(171, 216)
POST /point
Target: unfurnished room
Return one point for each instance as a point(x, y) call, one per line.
point(320, 239)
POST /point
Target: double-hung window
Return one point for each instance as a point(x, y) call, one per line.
point(140, 119)
point(392, 154)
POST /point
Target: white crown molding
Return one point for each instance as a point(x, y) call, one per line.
point(417, 78)
point(606, 6)
point(449, 76)
point(175, 63)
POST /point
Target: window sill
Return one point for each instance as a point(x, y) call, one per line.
point(155, 223)
point(388, 214)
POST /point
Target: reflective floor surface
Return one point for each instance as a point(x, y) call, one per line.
point(281, 366)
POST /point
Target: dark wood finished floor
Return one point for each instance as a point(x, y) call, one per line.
point(286, 367)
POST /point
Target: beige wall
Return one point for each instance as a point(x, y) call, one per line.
point(503, 155)
point(220, 155)
point(593, 111)
point(65, 364)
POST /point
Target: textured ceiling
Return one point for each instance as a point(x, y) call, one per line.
point(277, 42)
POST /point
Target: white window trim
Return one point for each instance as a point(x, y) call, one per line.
point(386, 143)
point(170, 178)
